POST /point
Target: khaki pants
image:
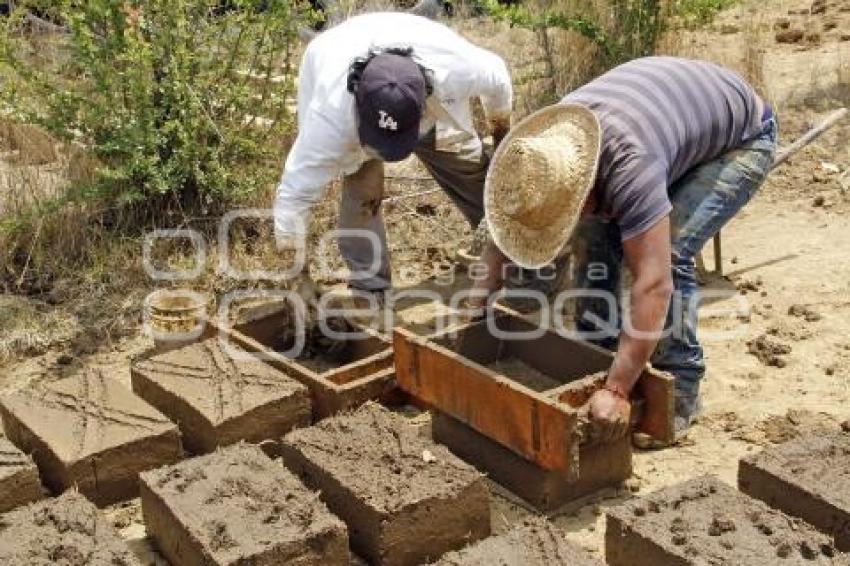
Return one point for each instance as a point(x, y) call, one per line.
point(460, 174)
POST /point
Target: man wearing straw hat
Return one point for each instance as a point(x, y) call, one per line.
point(378, 88)
point(643, 166)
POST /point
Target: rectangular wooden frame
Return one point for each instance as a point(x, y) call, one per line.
point(448, 372)
point(346, 387)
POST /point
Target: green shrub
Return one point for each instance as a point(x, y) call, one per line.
point(626, 29)
point(180, 101)
point(184, 107)
point(695, 13)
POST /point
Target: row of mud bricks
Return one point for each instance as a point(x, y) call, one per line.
point(366, 483)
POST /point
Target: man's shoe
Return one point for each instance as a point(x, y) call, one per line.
point(688, 409)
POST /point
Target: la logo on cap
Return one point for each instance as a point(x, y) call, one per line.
point(386, 122)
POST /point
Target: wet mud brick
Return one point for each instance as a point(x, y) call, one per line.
point(19, 483)
point(236, 506)
point(599, 466)
point(535, 542)
point(221, 395)
point(67, 530)
point(808, 477)
point(376, 472)
point(90, 432)
point(704, 521)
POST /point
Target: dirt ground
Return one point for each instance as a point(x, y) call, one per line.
point(778, 350)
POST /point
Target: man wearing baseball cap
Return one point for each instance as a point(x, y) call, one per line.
point(380, 87)
point(643, 165)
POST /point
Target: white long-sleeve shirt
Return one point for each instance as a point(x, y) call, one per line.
point(327, 144)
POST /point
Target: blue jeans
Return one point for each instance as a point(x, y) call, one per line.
point(703, 200)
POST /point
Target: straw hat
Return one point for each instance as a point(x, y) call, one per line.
point(538, 181)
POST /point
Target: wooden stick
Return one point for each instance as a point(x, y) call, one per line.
point(808, 137)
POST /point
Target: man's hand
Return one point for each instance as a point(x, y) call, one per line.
point(610, 413)
point(302, 284)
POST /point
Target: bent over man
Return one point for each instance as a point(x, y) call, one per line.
point(643, 165)
point(377, 88)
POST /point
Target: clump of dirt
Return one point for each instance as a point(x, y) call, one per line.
point(781, 23)
point(786, 330)
point(782, 428)
point(769, 351)
point(749, 285)
point(804, 312)
point(721, 523)
point(789, 36)
point(218, 535)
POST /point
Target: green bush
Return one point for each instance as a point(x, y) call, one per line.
point(169, 111)
point(182, 102)
point(694, 13)
point(625, 29)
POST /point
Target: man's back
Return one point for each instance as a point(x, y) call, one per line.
point(660, 117)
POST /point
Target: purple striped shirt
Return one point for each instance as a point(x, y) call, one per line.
point(661, 117)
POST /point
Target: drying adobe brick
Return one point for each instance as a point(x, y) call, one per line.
point(91, 432)
point(600, 466)
point(808, 477)
point(19, 483)
point(66, 531)
point(535, 542)
point(704, 521)
point(218, 398)
point(236, 506)
point(405, 499)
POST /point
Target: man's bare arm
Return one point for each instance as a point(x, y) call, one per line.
point(648, 257)
point(489, 280)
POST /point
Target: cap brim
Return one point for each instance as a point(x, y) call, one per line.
point(392, 148)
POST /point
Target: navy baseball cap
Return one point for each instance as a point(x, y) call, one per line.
point(390, 100)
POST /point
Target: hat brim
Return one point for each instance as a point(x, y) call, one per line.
point(535, 248)
point(395, 147)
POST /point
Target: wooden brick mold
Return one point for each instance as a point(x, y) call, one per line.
point(539, 419)
point(366, 374)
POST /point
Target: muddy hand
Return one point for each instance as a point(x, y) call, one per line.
point(610, 415)
point(307, 291)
